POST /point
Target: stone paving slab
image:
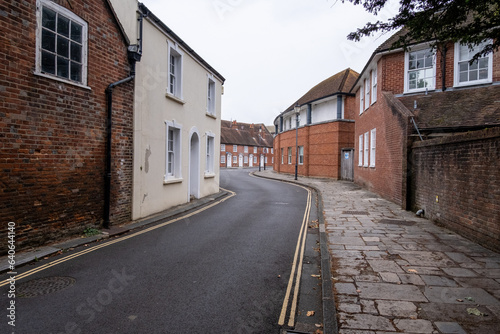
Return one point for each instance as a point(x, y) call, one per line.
point(395, 272)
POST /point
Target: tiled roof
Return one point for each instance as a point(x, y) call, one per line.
point(459, 108)
point(235, 133)
point(341, 82)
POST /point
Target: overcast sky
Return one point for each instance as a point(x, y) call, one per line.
point(271, 52)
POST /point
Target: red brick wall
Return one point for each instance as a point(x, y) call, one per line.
point(462, 171)
point(322, 148)
point(387, 177)
point(52, 134)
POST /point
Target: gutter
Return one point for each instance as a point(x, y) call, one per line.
point(134, 53)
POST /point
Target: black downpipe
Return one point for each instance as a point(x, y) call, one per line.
point(134, 55)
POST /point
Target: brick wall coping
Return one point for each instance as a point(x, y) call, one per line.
point(468, 136)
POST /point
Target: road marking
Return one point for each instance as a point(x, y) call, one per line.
point(298, 249)
point(120, 239)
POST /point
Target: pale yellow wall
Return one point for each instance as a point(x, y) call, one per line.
point(126, 10)
point(152, 109)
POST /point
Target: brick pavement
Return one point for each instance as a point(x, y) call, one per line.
point(395, 272)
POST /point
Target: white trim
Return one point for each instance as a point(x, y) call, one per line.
point(374, 84)
point(361, 97)
point(210, 158)
point(456, 76)
point(367, 150)
point(38, 50)
point(177, 165)
point(361, 152)
point(367, 83)
point(406, 77)
point(211, 95)
point(373, 146)
point(178, 67)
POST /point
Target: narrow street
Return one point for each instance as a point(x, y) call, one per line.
point(223, 270)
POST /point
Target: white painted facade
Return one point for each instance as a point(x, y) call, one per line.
point(177, 118)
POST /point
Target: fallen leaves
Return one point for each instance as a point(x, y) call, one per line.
point(311, 313)
point(475, 311)
point(412, 271)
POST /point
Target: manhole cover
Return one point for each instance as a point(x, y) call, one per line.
point(355, 213)
point(397, 222)
point(43, 286)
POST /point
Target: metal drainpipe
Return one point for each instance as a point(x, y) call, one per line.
point(109, 132)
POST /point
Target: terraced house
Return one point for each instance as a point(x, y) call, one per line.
point(107, 117)
point(245, 145)
point(177, 116)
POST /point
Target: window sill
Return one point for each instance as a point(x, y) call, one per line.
point(209, 175)
point(470, 84)
point(210, 115)
point(175, 98)
point(52, 77)
point(172, 181)
point(417, 91)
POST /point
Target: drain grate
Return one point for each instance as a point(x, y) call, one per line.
point(44, 286)
point(396, 222)
point(355, 213)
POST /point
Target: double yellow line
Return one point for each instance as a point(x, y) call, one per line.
point(296, 268)
point(92, 249)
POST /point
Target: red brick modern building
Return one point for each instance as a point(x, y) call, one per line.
point(427, 133)
point(245, 145)
point(58, 58)
point(325, 131)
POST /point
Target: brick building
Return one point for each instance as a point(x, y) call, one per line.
point(245, 145)
point(58, 59)
point(325, 130)
point(423, 134)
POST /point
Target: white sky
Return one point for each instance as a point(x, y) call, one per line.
point(271, 52)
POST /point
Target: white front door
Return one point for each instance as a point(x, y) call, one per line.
point(241, 160)
point(250, 162)
point(228, 161)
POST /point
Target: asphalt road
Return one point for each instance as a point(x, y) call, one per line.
point(224, 270)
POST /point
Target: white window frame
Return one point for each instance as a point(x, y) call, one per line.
point(265, 159)
point(407, 70)
point(245, 149)
point(84, 44)
point(282, 156)
point(235, 148)
point(175, 63)
point(373, 146)
point(301, 155)
point(245, 159)
point(223, 147)
point(210, 161)
point(235, 159)
point(211, 95)
point(367, 150)
point(255, 159)
point(272, 150)
point(360, 155)
point(374, 85)
point(175, 174)
point(223, 159)
point(289, 155)
point(255, 149)
point(361, 98)
point(367, 93)
point(457, 61)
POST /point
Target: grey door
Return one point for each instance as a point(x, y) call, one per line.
point(347, 164)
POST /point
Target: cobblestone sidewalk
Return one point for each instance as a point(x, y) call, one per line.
point(395, 272)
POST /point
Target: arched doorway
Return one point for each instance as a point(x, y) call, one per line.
point(229, 160)
point(250, 160)
point(194, 166)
